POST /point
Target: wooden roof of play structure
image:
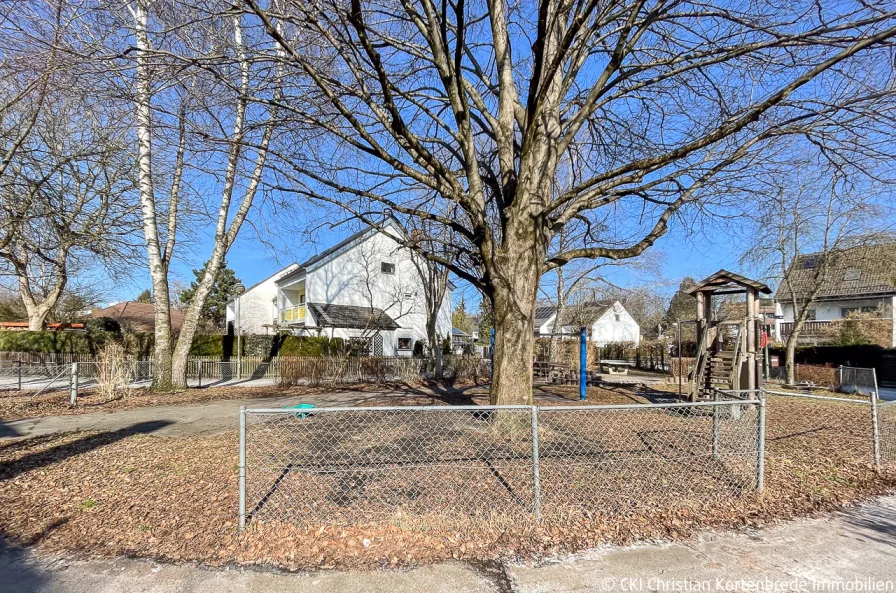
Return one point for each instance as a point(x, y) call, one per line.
point(725, 282)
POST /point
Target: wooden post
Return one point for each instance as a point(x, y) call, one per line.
point(751, 339)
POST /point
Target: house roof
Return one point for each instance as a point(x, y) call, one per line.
point(868, 270)
point(592, 310)
point(459, 332)
point(351, 316)
point(724, 279)
point(138, 316)
point(542, 314)
point(285, 271)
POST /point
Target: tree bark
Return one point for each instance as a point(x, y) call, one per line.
point(433, 337)
point(517, 270)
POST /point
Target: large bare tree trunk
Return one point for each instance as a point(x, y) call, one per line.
point(517, 272)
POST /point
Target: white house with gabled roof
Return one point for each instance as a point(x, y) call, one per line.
point(365, 288)
point(607, 322)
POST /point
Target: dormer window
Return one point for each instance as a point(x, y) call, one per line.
point(387, 268)
point(852, 274)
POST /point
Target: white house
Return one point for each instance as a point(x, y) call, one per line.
point(858, 280)
point(608, 322)
point(365, 288)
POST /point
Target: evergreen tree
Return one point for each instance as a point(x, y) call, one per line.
point(144, 297)
point(485, 321)
point(460, 318)
point(682, 307)
point(214, 312)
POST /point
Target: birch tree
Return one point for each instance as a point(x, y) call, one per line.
point(422, 105)
point(220, 120)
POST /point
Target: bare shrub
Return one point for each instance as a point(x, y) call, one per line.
point(114, 371)
point(825, 376)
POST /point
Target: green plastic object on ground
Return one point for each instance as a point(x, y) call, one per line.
point(301, 407)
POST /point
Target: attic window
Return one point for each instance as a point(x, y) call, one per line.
point(810, 262)
point(852, 274)
point(387, 268)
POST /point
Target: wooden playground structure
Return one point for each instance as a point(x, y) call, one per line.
point(728, 350)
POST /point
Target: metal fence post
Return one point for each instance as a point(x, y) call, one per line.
point(74, 384)
point(875, 427)
point(536, 477)
point(242, 510)
point(583, 361)
point(20, 375)
point(760, 462)
point(199, 362)
point(715, 428)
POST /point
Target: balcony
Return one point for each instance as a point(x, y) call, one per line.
point(293, 314)
point(810, 329)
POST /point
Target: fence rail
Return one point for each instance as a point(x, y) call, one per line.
point(421, 464)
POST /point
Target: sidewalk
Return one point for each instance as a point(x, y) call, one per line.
point(176, 420)
point(850, 551)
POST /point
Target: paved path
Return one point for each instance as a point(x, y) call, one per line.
point(177, 420)
point(839, 553)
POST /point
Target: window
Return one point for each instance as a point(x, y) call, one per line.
point(811, 315)
point(852, 274)
point(301, 299)
point(387, 268)
point(618, 317)
point(404, 343)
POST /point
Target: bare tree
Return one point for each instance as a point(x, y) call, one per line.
point(799, 236)
point(422, 105)
point(65, 205)
point(434, 282)
point(29, 65)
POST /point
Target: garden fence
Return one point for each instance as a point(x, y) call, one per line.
point(39, 377)
point(420, 464)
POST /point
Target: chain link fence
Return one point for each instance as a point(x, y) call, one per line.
point(504, 463)
point(34, 377)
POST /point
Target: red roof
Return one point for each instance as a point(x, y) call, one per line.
point(134, 316)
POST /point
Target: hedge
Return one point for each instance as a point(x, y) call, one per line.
point(55, 342)
point(140, 345)
point(868, 356)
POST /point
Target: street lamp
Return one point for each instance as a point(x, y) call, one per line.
point(238, 290)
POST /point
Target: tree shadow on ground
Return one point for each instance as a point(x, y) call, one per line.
point(80, 446)
point(19, 575)
point(878, 525)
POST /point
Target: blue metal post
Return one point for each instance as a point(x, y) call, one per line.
point(583, 362)
point(492, 352)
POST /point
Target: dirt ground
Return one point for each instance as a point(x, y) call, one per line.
point(128, 492)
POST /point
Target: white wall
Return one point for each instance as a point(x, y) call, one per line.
point(608, 329)
point(256, 307)
point(828, 310)
point(354, 277)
